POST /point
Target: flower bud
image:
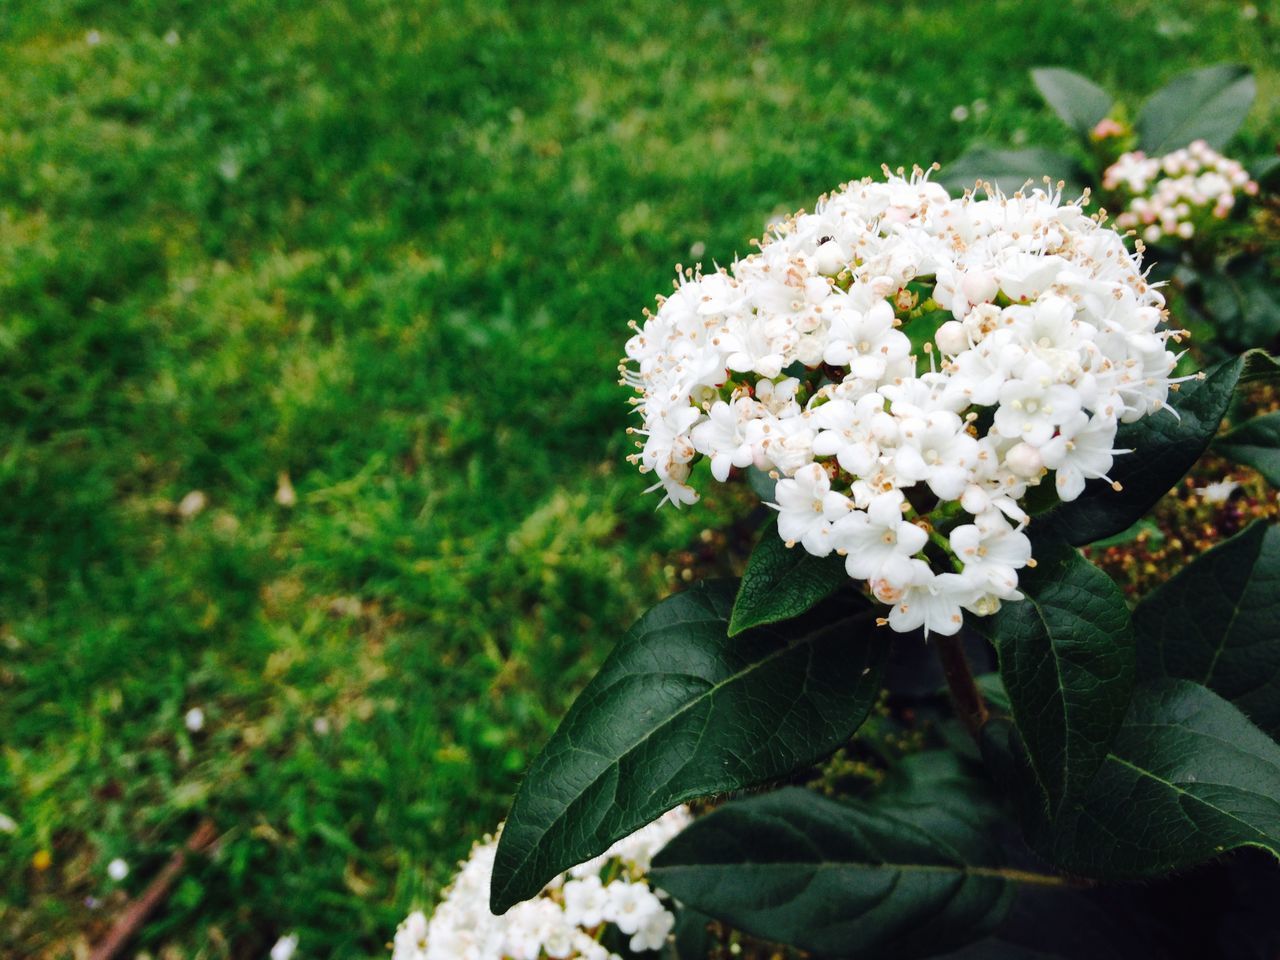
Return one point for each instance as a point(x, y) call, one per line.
point(1024, 460)
point(975, 500)
point(816, 289)
point(951, 338)
point(830, 259)
point(979, 286)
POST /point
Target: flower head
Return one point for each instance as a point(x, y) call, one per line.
point(1036, 335)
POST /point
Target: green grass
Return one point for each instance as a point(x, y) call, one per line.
point(388, 250)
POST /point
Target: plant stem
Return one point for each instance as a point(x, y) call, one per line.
point(969, 704)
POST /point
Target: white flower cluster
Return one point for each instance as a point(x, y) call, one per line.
point(1037, 335)
point(1170, 196)
point(564, 921)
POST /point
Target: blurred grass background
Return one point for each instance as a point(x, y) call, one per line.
point(309, 318)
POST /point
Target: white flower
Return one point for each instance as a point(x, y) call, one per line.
point(117, 869)
point(1030, 409)
point(653, 931)
point(721, 438)
point(934, 603)
point(1219, 492)
point(879, 543)
point(866, 343)
point(992, 553)
point(1170, 195)
point(585, 901)
point(630, 905)
point(8, 824)
point(1081, 451)
point(562, 922)
point(284, 947)
point(193, 719)
point(804, 502)
point(938, 451)
point(796, 359)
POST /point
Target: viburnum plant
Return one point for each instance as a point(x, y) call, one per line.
point(1211, 221)
point(940, 397)
point(593, 906)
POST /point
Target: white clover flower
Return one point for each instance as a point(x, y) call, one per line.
point(798, 360)
point(563, 922)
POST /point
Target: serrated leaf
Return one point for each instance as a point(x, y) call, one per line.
point(1010, 169)
point(1255, 443)
point(1207, 104)
point(1217, 622)
point(1164, 448)
point(1189, 778)
point(781, 583)
point(1079, 101)
point(679, 710)
point(1067, 663)
point(855, 880)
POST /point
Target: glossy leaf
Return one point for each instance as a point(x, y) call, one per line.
point(1164, 448)
point(781, 583)
point(1217, 622)
point(1010, 169)
point(852, 880)
point(1208, 104)
point(1189, 778)
point(1067, 664)
point(679, 710)
point(1255, 443)
point(1079, 101)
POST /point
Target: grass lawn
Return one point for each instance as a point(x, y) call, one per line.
point(309, 319)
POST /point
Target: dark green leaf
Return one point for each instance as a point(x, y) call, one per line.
point(781, 583)
point(679, 710)
point(1255, 443)
point(1079, 101)
point(761, 483)
point(853, 880)
point(1067, 661)
point(693, 937)
point(1208, 104)
point(1164, 448)
point(992, 689)
point(1265, 170)
point(1189, 778)
point(1145, 526)
point(1218, 622)
point(1010, 169)
point(1241, 304)
point(1259, 365)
